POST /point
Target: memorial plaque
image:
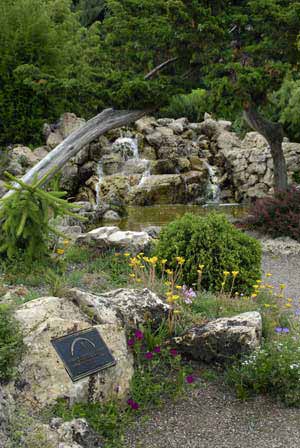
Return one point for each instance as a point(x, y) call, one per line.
point(83, 353)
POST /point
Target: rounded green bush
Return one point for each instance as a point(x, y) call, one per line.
point(215, 243)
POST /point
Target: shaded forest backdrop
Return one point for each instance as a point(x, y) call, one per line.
point(85, 55)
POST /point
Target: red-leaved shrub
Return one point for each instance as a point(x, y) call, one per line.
point(278, 215)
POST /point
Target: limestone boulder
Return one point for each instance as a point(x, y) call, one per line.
point(42, 378)
point(223, 338)
point(112, 237)
point(24, 156)
point(69, 123)
point(132, 306)
point(112, 163)
point(159, 189)
point(145, 125)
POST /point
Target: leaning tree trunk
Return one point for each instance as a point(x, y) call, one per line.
point(58, 157)
point(273, 133)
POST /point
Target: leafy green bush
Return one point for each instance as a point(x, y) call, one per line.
point(215, 243)
point(193, 106)
point(273, 369)
point(11, 342)
point(25, 219)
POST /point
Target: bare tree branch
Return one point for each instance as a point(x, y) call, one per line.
point(159, 67)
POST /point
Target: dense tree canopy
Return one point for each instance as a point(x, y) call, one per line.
point(56, 56)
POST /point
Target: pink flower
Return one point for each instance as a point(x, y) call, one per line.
point(173, 352)
point(130, 342)
point(138, 334)
point(149, 355)
point(189, 379)
point(156, 350)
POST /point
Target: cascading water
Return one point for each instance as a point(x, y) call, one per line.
point(213, 188)
point(128, 148)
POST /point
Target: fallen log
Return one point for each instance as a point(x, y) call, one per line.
point(52, 163)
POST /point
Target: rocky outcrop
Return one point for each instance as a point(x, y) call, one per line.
point(42, 378)
point(106, 238)
point(221, 339)
point(132, 306)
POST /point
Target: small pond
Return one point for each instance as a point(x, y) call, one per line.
point(158, 215)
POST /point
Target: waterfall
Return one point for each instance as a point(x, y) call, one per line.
point(100, 178)
point(147, 171)
point(213, 188)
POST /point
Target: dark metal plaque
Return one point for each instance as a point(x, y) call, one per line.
point(83, 353)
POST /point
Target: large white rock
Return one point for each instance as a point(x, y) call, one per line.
point(113, 238)
point(223, 338)
point(132, 306)
point(42, 378)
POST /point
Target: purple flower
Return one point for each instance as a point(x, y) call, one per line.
point(117, 388)
point(285, 330)
point(173, 352)
point(188, 294)
point(130, 342)
point(149, 355)
point(138, 334)
point(130, 402)
point(156, 350)
point(189, 379)
point(135, 406)
point(278, 330)
point(297, 312)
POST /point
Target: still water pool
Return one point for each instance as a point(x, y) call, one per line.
point(158, 215)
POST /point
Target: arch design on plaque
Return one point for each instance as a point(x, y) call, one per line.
point(78, 340)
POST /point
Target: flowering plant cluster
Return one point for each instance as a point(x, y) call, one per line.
point(159, 370)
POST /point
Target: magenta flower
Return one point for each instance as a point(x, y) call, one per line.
point(135, 406)
point(189, 379)
point(173, 352)
point(156, 350)
point(149, 355)
point(130, 402)
point(138, 334)
point(130, 342)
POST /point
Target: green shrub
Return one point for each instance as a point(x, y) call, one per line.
point(193, 106)
point(215, 243)
point(11, 342)
point(273, 369)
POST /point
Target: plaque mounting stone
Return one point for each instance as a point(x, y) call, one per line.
point(83, 353)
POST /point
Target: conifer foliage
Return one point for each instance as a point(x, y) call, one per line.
point(25, 219)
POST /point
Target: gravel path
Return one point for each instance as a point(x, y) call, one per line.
point(285, 269)
point(211, 417)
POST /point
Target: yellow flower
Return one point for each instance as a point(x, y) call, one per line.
point(235, 273)
point(175, 297)
point(163, 261)
point(258, 281)
point(139, 280)
point(132, 275)
point(146, 259)
point(199, 272)
point(223, 284)
point(280, 296)
point(268, 274)
point(288, 305)
point(201, 266)
point(126, 254)
point(167, 283)
point(153, 260)
point(177, 312)
point(267, 305)
point(117, 254)
point(169, 272)
point(169, 300)
point(178, 287)
point(253, 296)
point(66, 242)
point(282, 286)
point(60, 251)
point(180, 260)
point(255, 286)
point(290, 299)
point(226, 273)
